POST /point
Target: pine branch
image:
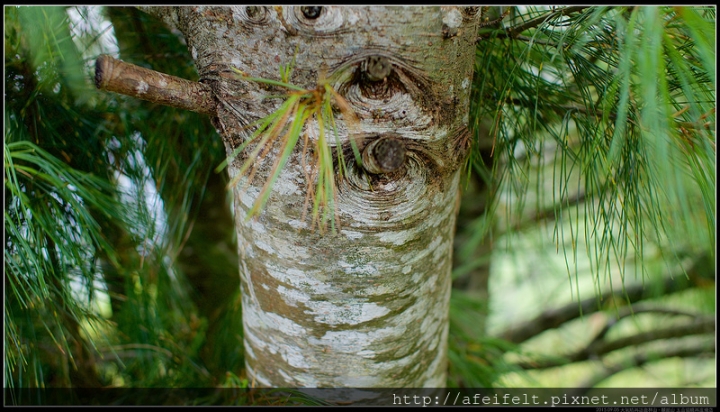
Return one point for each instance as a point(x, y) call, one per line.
point(117, 76)
point(627, 311)
point(514, 31)
point(706, 347)
point(530, 24)
point(555, 317)
point(563, 109)
point(546, 214)
point(536, 41)
point(598, 348)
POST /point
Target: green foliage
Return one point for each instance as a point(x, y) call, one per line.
point(53, 239)
point(617, 104)
point(47, 38)
point(97, 294)
point(625, 98)
point(53, 207)
point(476, 360)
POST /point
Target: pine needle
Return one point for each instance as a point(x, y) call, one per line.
point(283, 128)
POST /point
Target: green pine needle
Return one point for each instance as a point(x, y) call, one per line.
point(284, 127)
point(626, 96)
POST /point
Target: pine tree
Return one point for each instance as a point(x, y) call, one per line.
point(622, 98)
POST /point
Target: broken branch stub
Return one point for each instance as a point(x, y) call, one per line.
point(117, 76)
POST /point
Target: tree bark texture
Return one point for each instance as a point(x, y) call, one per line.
point(366, 306)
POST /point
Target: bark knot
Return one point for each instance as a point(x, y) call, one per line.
point(383, 155)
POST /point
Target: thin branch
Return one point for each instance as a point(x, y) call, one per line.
point(530, 24)
point(546, 214)
point(513, 32)
point(555, 317)
point(699, 326)
point(633, 310)
point(596, 349)
point(706, 347)
point(120, 77)
point(563, 109)
point(536, 41)
point(131, 347)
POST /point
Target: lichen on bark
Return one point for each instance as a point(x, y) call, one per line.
point(367, 306)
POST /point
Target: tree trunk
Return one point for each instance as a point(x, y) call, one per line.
point(366, 306)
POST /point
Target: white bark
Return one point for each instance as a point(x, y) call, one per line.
point(368, 306)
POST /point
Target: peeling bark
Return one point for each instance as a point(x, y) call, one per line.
point(367, 306)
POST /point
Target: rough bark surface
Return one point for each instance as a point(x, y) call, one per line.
point(367, 306)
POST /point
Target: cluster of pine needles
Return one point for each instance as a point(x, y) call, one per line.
point(286, 125)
